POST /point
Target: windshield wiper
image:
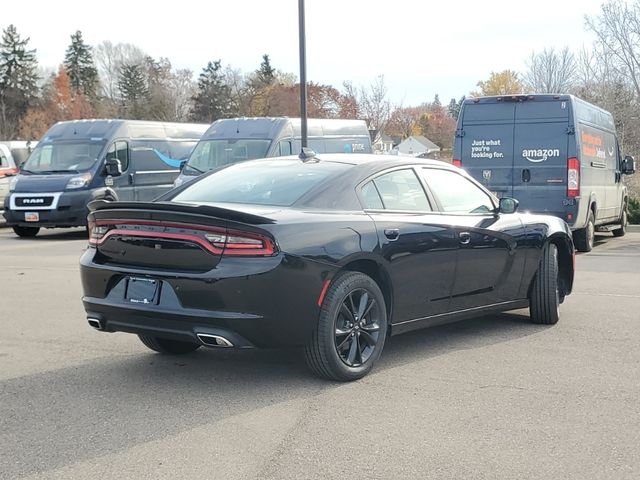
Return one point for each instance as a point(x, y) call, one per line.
point(59, 171)
point(194, 168)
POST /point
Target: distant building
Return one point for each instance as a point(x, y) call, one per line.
point(383, 143)
point(417, 145)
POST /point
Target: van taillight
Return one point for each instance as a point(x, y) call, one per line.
point(456, 162)
point(573, 178)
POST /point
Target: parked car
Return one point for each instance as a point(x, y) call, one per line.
point(20, 149)
point(334, 254)
point(555, 154)
point(8, 164)
point(83, 160)
point(232, 140)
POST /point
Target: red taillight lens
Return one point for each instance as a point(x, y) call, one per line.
point(242, 243)
point(573, 178)
point(96, 232)
point(456, 162)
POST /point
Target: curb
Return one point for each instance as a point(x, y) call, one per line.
point(633, 228)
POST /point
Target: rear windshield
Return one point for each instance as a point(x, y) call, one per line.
point(279, 183)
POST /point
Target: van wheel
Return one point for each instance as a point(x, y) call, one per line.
point(619, 232)
point(26, 232)
point(583, 238)
point(544, 304)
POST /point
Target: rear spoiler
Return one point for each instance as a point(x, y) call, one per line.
point(205, 210)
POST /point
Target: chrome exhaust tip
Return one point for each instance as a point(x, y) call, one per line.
point(214, 340)
point(95, 323)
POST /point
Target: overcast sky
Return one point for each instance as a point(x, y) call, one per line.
point(422, 47)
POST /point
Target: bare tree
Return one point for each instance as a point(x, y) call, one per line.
point(181, 90)
point(618, 31)
point(374, 105)
point(110, 58)
point(550, 71)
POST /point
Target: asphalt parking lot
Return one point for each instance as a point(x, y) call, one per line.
point(490, 398)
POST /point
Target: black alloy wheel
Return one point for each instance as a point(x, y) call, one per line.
point(351, 329)
point(357, 328)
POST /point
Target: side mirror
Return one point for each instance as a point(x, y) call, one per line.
point(628, 165)
point(113, 167)
point(508, 205)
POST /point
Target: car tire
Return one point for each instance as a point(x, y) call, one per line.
point(624, 220)
point(167, 346)
point(351, 329)
point(26, 232)
point(584, 238)
point(544, 304)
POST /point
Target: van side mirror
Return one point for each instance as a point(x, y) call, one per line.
point(508, 205)
point(113, 167)
point(628, 165)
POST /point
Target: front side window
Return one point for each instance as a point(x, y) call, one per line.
point(399, 190)
point(64, 156)
point(456, 193)
point(120, 151)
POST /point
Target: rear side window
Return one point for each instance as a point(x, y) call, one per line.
point(456, 193)
point(148, 155)
point(4, 162)
point(399, 190)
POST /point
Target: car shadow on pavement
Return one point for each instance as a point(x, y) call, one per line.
point(55, 418)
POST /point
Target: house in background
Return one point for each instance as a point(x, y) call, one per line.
point(417, 145)
point(382, 143)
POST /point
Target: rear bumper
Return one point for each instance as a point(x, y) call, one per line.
point(261, 302)
point(70, 211)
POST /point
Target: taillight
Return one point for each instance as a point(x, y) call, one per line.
point(216, 240)
point(233, 242)
point(573, 177)
point(456, 162)
point(96, 232)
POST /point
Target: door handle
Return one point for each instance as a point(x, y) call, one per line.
point(526, 175)
point(392, 233)
point(464, 237)
point(131, 179)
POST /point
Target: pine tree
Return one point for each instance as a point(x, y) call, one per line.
point(78, 62)
point(134, 91)
point(436, 101)
point(18, 80)
point(212, 98)
point(266, 74)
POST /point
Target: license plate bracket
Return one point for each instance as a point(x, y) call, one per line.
point(142, 290)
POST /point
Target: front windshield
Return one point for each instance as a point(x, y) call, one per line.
point(63, 157)
point(211, 154)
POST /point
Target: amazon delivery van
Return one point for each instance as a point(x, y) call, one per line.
point(84, 160)
point(555, 154)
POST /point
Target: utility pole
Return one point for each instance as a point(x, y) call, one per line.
point(303, 74)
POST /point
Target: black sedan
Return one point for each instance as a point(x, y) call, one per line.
point(332, 253)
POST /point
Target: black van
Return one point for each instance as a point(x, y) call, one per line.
point(84, 160)
point(555, 154)
point(232, 140)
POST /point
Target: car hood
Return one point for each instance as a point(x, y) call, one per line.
point(43, 183)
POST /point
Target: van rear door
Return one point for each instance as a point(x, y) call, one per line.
point(486, 144)
point(541, 143)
